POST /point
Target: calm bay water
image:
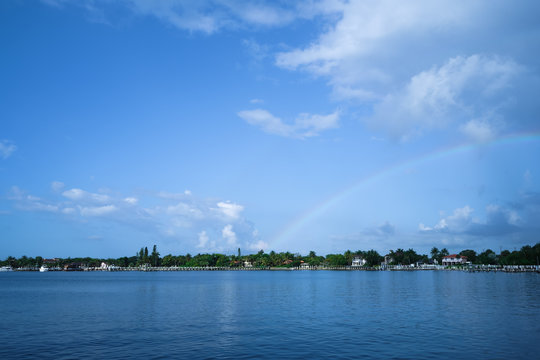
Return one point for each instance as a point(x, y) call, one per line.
point(262, 314)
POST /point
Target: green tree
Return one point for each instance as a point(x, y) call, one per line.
point(434, 253)
point(469, 254)
point(373, 258)
point(336, 260)
point(444, 252)
point(154, 257)
point(487, 257)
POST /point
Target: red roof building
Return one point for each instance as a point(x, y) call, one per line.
point(454, 259)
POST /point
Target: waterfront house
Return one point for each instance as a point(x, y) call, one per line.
point(388, 260)
point(454, 259)
point(304, 265)
point(248, 264)
point(287, 262)
point(358, 261)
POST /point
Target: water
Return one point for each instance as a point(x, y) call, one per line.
point(262, 314)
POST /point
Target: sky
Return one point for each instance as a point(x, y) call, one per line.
point(212, 125)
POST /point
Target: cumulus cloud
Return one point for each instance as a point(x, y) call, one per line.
point(479, 130)
point(203, 239)
point(7, 148)
point(205, 224)
point(229, 235)
point(454, 92)
point(422, 65)
point(459, 221)
point(305, 125)
point(412, 67)
point(499, 221)
point(229, 209)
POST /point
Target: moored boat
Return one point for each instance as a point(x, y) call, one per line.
point(6, 268)
point(43, 268)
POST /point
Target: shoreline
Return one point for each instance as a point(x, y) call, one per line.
point(473, 268)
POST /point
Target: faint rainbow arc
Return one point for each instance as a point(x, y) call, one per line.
point(327, 203)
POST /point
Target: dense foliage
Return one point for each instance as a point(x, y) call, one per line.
point(527, 255)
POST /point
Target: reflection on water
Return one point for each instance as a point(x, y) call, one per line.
point(301, 314)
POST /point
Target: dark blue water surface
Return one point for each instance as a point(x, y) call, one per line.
point(269, 314)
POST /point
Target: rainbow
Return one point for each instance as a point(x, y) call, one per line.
point(309, 215)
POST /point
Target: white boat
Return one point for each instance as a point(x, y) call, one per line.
point(43, 268)
point(6, 268)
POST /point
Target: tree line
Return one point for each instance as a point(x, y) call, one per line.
point(527, 255)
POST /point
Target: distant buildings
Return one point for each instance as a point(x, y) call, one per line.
point(388, 260)
point(454, 259)
point(358, 261)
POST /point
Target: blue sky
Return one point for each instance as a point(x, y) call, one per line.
point(204, 126)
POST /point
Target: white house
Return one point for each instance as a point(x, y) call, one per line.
point(454, 259)
point(358, 261)
point(248, 264)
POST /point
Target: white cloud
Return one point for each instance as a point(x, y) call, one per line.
point(454, 92)
point(230, 210)
point(305, 125)
point(174, 196)
point(68, 210)
point(57, 186)
point(131, 200)
point(457, 222)
point(203, 239)
point(28, 202)
point(423, 65)
point(479, 130)
point(258, 245)
point(98, 210)
point(362, 27)
point(228, 234)
point(81, 195)
point(210, 16)
point(203, 224)
point(499, 221)
point(265, 120)
point(185, 210)
point(7, 148)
